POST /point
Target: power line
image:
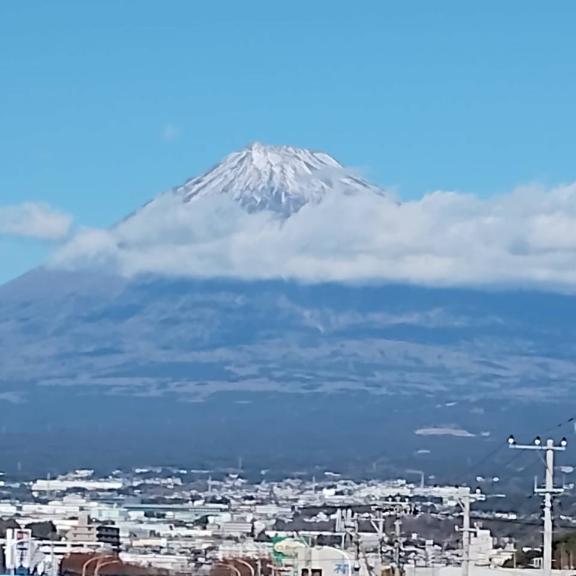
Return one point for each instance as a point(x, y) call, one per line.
point(460, 476)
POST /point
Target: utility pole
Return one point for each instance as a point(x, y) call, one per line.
point(356, 540)
point(378, 525)
point(398, 547)
point(465, 498)
point(399, 508)
point(548, 491)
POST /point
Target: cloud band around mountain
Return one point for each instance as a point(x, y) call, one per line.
point(524, 238)
point(34, 220)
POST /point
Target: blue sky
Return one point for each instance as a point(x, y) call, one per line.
point(105, 104)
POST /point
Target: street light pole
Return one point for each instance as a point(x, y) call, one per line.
point(548, 491)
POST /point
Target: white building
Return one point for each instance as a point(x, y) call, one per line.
point(64, 484)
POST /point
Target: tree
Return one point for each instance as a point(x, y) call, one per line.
point(43, 530)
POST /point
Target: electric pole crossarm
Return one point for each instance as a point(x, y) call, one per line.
point(537, 444)
point(552, 491)
point(533, 447)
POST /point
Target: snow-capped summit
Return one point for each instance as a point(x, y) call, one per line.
point(281, 179)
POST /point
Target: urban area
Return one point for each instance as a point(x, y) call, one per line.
point(168, 521)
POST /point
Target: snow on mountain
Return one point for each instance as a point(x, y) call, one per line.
point(280, 179)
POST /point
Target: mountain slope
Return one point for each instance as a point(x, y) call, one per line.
point(322, 365)
point(193, 338)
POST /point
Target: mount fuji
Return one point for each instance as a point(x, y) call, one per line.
point(108, 368)
point(258, 214)
point(280, 179)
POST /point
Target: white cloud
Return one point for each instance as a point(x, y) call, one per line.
point(444, 431)
point(170, 132)
point(33, 220)
point(527, 237)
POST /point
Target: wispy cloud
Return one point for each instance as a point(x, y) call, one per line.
point(524, 238)
point(34, 220)
point(170, 132)
point(444, 431)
